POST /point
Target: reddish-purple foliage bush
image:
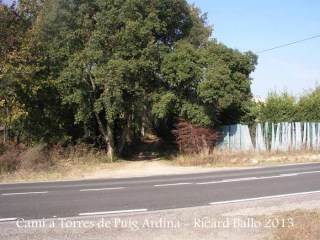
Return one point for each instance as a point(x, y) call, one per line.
point(192, 139)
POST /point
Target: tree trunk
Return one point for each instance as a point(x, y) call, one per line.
point(106, 132)
point(108, 137)
point(124, 135)
point(110, 144)
point(143, 124)
point(5, 132)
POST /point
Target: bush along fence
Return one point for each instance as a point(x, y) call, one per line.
point(192, 139)
point(273, 137)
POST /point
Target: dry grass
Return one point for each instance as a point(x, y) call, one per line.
point(219, 158)
point(39, 163)
point(63, 171)
point(9, 157)
point(306, 226)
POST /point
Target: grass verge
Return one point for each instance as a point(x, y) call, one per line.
point(242, 159)
point(18, 164)
point(39, 163)
point(306, 225)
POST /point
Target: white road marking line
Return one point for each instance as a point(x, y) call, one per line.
point(257, 178)
point(308, 172)
point(289, 175)
point(172, 184)
point(7, 219)
point(100, 189)
point(262, 198)
point(229, 180)
point(113, 212)
point(277, 176)
point(22, 193)
point(205, 183)
point(238, 179)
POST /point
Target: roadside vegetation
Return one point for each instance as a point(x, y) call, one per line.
point(218, 158)
point(306, 225)
point(284, 107)
point(105, 73)
point(20, 163)
point(85, 82)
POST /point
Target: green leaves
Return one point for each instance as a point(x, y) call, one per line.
point(114, 68)
point(181, 69)
point(217, 86)
point(278, 108)
point(285, 107)
point(309, 106)
point(195, 114)
point(164, 105)
point(212, 82)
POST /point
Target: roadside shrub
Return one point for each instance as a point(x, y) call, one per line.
point(9, 157)
point(279, 108)
point(192, 139)
point(309, 106)
point(1, 148)
point(40, 157)
point(34, 158)
point(80, 152)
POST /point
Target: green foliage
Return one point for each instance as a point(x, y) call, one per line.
point(251, 110)
point(12, 30)
point(181, 69)
point(227, 81)
point(104, 69)
point(279, 108)
point(212, 84)
point(309, 106)
point(164, 105)
point(287, 108)
point(196, 113)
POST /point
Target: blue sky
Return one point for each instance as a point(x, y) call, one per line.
point(261, 24)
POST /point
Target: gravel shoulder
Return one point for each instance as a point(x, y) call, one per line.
point(144, 169)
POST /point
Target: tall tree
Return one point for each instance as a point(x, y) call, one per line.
point(206, 86)
point(227, 82)
point(111, 67)
point(12, 29)
point(111, 76)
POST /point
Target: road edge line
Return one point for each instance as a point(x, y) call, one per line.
point(113, 212)
point(263, 198)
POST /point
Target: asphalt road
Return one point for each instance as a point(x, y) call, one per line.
point(104, 196)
